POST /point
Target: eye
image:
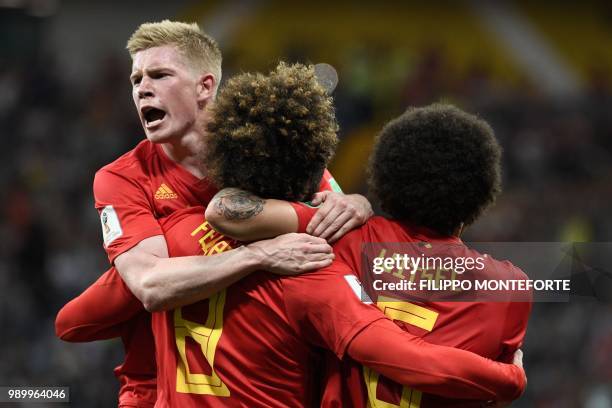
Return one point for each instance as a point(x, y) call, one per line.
point(135, 81)
point(159, 75)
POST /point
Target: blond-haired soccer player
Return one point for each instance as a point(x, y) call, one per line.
point(176, 69)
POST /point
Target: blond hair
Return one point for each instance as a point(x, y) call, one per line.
point(200, 49)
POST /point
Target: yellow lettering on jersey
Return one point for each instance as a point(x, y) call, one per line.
point(207, 336)
point(210, 240)
point(219, 247)
point(412, 314)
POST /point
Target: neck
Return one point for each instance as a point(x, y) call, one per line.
point(185, 152)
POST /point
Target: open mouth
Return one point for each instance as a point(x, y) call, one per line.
point(153, 116)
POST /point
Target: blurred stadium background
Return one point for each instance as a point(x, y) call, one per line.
point(540, 73)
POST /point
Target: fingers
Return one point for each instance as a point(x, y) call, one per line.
point(308, 239)
point(321, 215)
point(352, 223)
point(518, 358)
point(313, 266)
point(319, 197)
point(319, 248)
point(338, 219)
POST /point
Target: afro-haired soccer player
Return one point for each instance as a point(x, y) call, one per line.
point(176, 70)
point(254, 343)
point(434, 170)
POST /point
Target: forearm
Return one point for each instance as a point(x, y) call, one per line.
point(99, 312)
point(168, 283)
point(440, 370)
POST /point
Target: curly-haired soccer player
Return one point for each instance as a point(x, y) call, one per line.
point(434, 170)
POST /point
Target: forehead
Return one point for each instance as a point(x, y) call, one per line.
point(165, 56)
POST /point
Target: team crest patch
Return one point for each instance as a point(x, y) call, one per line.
point(111, 228)
point(358, 289)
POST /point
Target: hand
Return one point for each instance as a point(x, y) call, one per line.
point(518, 358)
point(338, 215)
point(292, 254)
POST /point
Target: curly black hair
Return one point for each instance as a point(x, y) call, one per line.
point(272, 135)
point(437, 167)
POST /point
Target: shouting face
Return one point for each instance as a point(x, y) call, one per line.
point(166, 93)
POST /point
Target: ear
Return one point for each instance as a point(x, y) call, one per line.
point(206, 88)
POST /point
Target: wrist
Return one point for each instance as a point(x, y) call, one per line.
point(254, 257)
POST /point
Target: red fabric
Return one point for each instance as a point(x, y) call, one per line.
point(492, 329)
point(142, 186)
point(131, 185)
point(264, 355)
point(98, 313)
point(108, 309)
point(389, 350)
point(304, 213)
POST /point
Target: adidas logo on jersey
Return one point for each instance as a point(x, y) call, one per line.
point(165, 193)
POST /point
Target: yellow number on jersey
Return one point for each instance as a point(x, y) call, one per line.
point(207, 336)
point(412, 314)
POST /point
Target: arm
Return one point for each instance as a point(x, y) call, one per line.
point(326, 309)
point(516, 327)
point(244, 216)
point(163, 283)
point(135, 244)
point(338, 214)
point(98, 313)
point(440, 370)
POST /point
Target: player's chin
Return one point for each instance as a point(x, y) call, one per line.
point(158, 135)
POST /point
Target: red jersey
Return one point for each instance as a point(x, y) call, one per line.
point(248, 345)
point(492, 329)
point(132, 194)
point(272, 356)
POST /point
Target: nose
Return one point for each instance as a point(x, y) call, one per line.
point(145, 89)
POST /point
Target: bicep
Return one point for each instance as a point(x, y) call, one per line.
point(134, 264)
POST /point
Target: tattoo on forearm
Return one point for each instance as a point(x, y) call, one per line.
point(236, 204)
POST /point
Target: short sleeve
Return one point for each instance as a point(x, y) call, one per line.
point(326, 307)
point(304, 213)
point(125, 212)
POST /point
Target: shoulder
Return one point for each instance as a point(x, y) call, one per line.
point(132, 165)
point(130, 172)
point(133, 161)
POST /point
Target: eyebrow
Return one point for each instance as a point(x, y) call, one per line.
point(153, 70)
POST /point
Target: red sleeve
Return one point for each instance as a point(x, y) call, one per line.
point(98, 312)
point(326, 309)
point(125, 212)
point(446, 371)
point(304, 211)
point(515, 327)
